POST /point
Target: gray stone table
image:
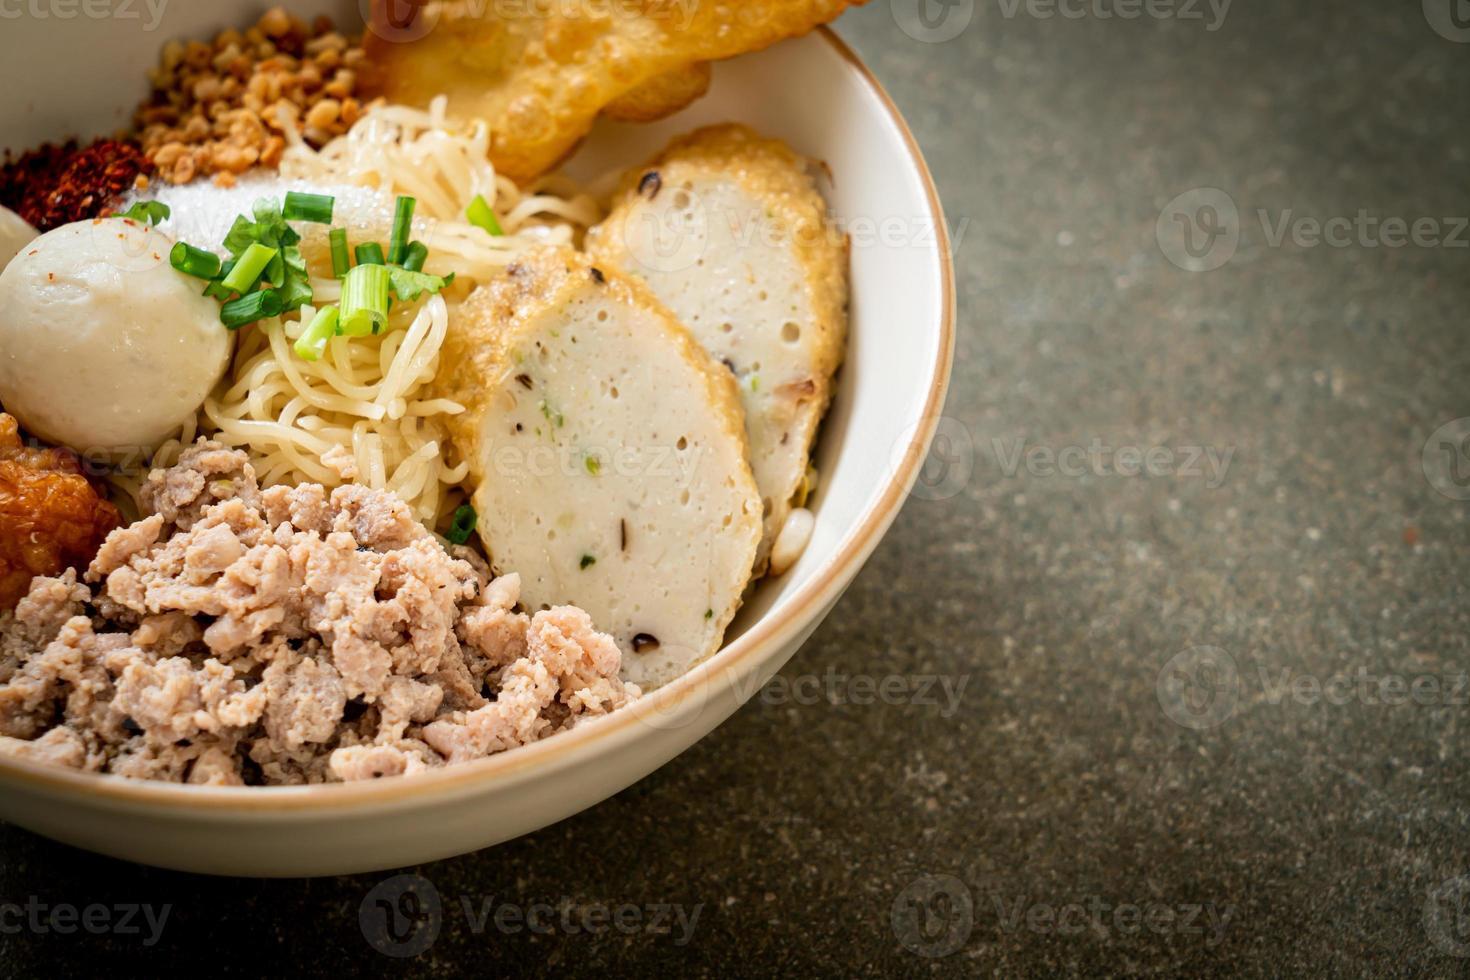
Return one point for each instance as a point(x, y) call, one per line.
point(1204, 585)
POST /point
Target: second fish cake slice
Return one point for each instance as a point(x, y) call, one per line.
point(608, 457)
point(729, 231)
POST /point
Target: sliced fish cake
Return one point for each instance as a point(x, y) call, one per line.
point(729, 231)
point(609, 457)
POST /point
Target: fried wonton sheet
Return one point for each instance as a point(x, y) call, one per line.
point(540, 71)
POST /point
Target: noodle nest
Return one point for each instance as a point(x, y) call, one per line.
point(362, 413)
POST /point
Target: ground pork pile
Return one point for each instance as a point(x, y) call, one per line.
point(241, 636)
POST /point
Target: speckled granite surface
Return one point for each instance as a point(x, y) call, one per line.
point(1211, 719)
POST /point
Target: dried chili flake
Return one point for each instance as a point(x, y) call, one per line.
point(56, 185)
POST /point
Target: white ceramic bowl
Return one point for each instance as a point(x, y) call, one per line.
point(814, 93)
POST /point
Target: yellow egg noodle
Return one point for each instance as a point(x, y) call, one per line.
point(361, 413)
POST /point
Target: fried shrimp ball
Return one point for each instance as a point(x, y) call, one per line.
point(51, 517)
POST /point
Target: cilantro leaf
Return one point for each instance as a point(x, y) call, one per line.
point(409, 286)
point(149, 212)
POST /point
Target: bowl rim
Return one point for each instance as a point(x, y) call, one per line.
point(771, 632)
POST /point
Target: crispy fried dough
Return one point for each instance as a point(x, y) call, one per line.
point(663, 95)
point(540, 72)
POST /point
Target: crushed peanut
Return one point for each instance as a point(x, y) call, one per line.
point(219, 109)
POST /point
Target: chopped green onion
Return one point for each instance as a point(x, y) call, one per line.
point(402, 228)
point(341, 262)
point(247, 271)
point(249, 308)
point(193, 261)
point(370, 253)
point(481, 216)
point(365, 300)
point(462, 525)
point(415, 256)
point(151, 212)
point(294, 284)
point(587, 562)
point(216, 289)
point(316, 208)
point(313, 342)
